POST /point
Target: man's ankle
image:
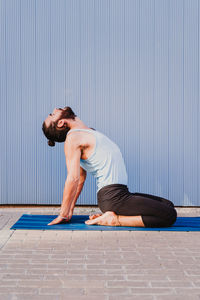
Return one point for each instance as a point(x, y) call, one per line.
point(118, 221)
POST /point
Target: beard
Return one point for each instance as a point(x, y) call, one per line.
point(65, 114)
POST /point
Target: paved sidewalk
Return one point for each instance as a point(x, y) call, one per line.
point(96, 265)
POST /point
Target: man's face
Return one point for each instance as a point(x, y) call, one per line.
point(54, 116)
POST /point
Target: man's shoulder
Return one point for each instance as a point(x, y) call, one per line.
point(73, 137)
point(78, 137)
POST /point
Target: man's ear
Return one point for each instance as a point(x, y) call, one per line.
point(61, 123)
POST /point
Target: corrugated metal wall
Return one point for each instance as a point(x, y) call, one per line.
point(129, 68)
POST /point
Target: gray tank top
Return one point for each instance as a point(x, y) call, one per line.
point(106, 162)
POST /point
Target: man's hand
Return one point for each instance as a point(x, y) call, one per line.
point(60, 219)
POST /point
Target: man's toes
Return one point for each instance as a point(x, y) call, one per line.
point(87, 222)
point(94, 216)
point(98, 215)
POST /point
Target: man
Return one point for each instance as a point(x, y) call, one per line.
point(89, 150)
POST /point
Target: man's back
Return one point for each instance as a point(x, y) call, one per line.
point(103, 158)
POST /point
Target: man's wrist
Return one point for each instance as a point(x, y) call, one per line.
point(71, 209)
point(64, 213)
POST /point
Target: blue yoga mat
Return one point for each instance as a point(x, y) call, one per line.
point(39, 222)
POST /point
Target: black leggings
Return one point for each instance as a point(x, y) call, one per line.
point(155, 211)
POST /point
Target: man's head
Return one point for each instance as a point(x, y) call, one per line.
point(56, 125)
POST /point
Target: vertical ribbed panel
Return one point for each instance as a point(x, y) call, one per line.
point(3, 102)
point(198, 111)
point(147, 94)
point(161, 99)
point(26, 121)
point(129, 68)
point(131, 110)
point(191, 103)
point(176, 99)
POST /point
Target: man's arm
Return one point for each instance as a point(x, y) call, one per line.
point(73, 154)
point(83, 175)
point(74, 181)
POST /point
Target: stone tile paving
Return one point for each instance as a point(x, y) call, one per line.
point(96, 265)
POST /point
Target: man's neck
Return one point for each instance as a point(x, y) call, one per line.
point(77, 124)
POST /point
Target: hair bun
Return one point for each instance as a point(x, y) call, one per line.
point(51, 143)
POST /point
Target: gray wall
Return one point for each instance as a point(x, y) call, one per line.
point(129, 68)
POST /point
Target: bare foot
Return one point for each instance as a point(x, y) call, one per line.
point(109, 218)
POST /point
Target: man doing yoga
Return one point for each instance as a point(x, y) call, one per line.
point(88, 150)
